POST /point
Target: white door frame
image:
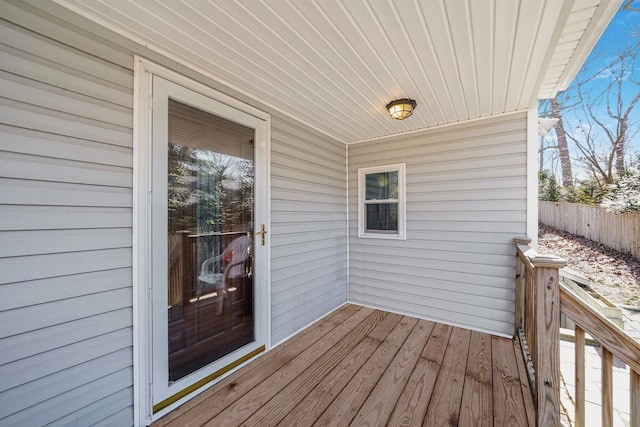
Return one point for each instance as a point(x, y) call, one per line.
point(144, 70)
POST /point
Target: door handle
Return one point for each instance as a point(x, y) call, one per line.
point(262, 233)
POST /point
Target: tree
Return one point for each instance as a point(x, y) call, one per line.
point(597, 115)
point(621, 70)
point(624, 196)
point(563, 148)
point(548, 188)
point(629, 5)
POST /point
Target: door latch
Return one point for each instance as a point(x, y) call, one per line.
point(262, 233)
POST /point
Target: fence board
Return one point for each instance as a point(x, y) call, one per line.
point(617, 231)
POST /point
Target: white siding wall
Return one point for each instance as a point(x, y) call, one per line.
point(466, 200)
point(65, 226)
point(308, 222)
point(66, 340)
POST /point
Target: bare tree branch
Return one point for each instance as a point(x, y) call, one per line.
point(627, 6)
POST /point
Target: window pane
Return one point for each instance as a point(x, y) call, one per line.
point(382, 217)
point(381, 186)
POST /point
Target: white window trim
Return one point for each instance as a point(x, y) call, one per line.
point(401, 201)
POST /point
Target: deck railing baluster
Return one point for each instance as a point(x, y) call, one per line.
point(538, 308)
point(580, 377)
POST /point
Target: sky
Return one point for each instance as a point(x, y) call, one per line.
point(623, 31)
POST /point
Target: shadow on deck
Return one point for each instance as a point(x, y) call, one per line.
point(360, 366)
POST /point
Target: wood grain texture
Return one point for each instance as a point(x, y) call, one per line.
point(278, 406)
point(477, 397)
point(509, 407)
point(635, 399)
point(607, 388)
point(600, 328)
point(580, 377)
point(520, 293)
point(382, 399)
point(414, 400)
point(530, 309)
point(546, 356)
point(524, 385)
point(203, 407)
point(239, 411)
point(315, 403)
point(447, 394)
point(345, 407)
point(365, 367)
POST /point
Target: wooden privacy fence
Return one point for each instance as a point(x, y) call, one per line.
point(617, 231)
point(540, 298)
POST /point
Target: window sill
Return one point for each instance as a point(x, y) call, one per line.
point(381, 236)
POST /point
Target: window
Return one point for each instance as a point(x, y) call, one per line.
point(381, 202)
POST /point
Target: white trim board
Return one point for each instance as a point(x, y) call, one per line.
point(532, 176)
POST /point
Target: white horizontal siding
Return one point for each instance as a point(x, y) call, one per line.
point(102, 412)
point(466, 200)
point(34, 117)
point(27, 141)
point(37, 341)
point(62, 359)
point(57, 75)
point(21, 243)
point(39, 168)
point(66, 216)
point(308, 227)
point(66, 161)
point(61, 99)
point(76, 400)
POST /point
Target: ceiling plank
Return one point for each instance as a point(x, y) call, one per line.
point(461, 27)
point(335, 64)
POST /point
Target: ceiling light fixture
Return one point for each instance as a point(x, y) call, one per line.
point(545, 124)
point(400, 109)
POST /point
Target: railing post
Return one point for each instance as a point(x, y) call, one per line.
point(546, 357)
point(520, 284)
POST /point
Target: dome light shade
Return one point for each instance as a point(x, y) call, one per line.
point(400, 109)
point(545, 125)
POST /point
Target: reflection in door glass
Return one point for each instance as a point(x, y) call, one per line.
point(210, 223)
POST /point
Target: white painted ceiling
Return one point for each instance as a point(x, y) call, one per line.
point(335, 64)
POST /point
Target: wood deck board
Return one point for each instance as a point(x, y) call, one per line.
point(278, 406)
point(526, 393)
point(477, 397)
point(360, 366)
point(508, 402)
point(316, 402)
point(240, 410)
point(202, 408)
point(380, 403)
point(414, 400)
point(345, 407)
point(444, 408)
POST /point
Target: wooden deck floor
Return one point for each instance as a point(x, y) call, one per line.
point(360, 366)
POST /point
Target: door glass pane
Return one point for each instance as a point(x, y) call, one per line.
point(210, 249)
